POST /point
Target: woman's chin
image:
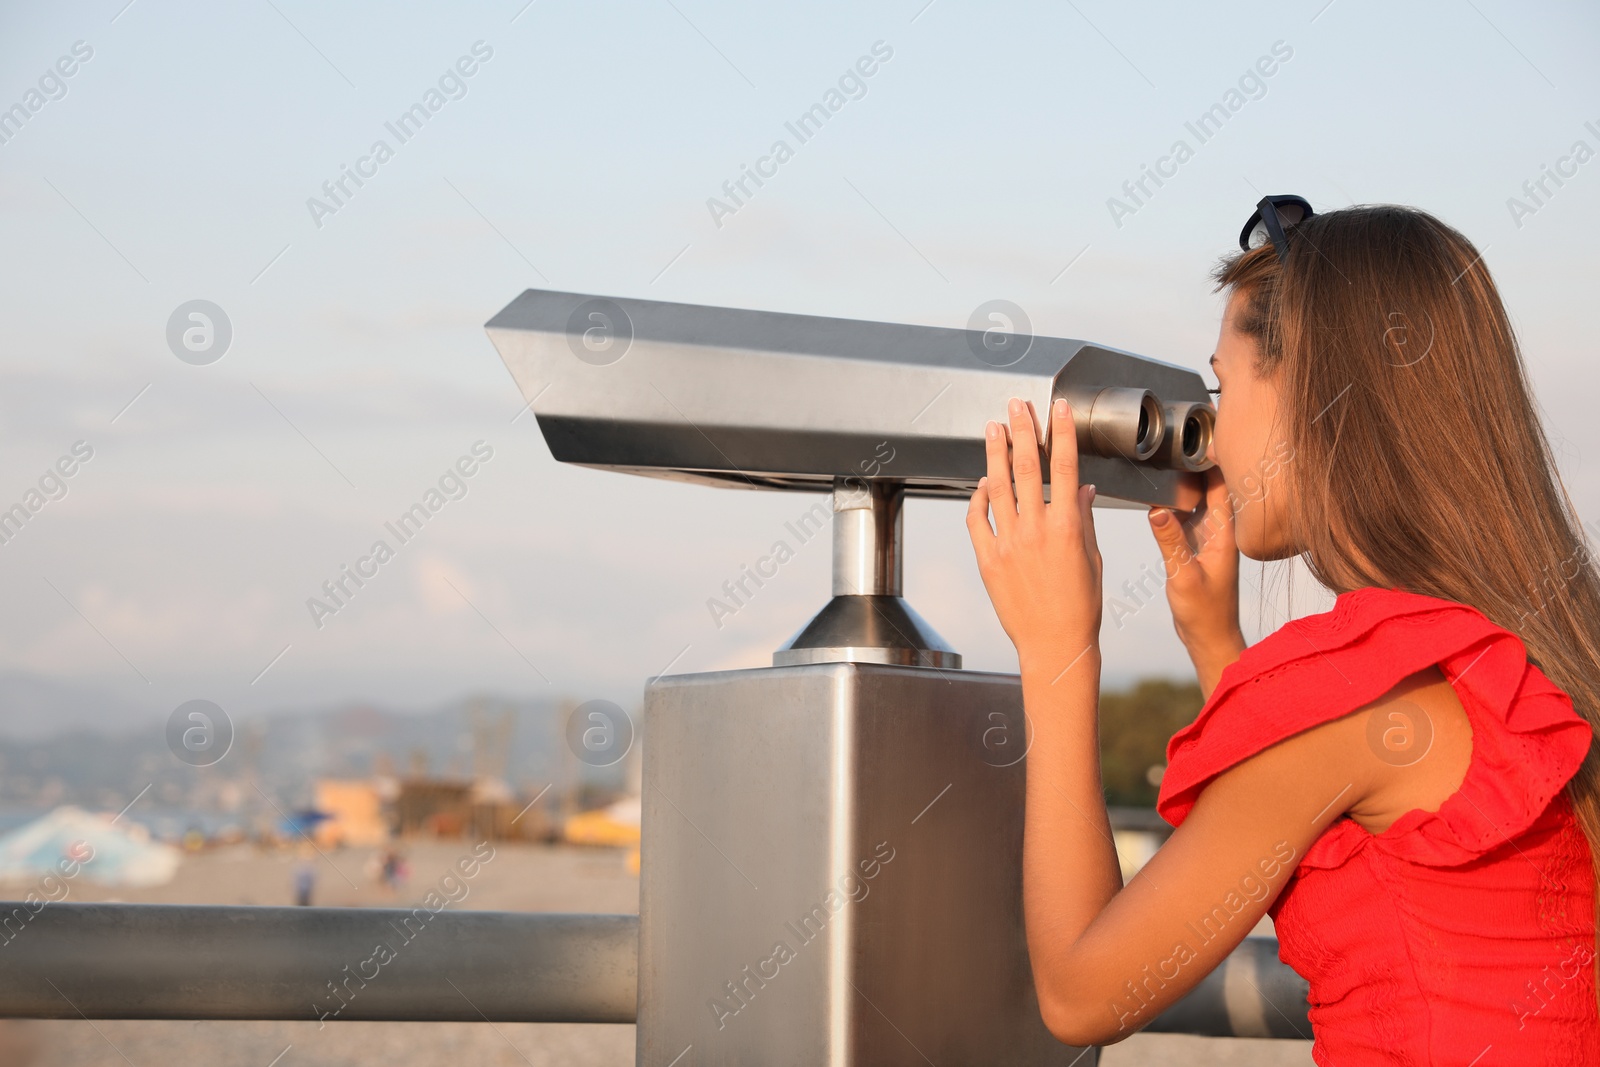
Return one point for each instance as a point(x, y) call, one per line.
point(1262, 550)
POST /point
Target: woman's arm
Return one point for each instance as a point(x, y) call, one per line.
point(1196, 899)
point(1106, 959)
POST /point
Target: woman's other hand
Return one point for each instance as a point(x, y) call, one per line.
point(1202, 568)
point(1039, 562)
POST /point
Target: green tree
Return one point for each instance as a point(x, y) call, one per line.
point(1135, 725)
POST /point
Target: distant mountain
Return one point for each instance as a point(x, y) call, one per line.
point(64, 744)
point(34, 708)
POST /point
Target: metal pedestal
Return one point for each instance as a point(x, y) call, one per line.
point(832, 871)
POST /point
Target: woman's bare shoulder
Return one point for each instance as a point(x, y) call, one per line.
point(1421, 739)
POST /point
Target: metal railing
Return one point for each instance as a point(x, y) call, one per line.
point(167, 961)
point(1253, 994)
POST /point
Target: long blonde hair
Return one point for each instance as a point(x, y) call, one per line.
point(1397, 360)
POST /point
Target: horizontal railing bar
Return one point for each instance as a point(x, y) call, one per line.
point(169, 961)
point(1125, 818)
point(164, 961)
point(1253, 994)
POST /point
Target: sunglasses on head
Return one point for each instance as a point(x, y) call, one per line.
point(1272, 216)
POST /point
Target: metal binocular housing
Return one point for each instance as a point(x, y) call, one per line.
point(769, 400)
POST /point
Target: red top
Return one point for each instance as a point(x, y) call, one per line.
point(1461, 936)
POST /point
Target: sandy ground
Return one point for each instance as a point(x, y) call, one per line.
point(520, 878)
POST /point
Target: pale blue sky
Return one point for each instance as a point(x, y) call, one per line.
point(977, 165)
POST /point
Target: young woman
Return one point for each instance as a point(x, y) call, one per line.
point(1406, 782)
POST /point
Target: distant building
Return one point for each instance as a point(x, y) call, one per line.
point(433, 807)
point(616, 824)
point(484, 811)
point(355, 813)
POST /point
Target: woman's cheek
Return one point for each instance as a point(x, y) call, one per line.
point(1250, 523)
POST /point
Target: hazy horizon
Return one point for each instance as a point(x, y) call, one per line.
point(197, 153)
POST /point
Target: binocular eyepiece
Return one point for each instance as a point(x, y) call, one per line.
point(1131, 424)
point(1189, 427)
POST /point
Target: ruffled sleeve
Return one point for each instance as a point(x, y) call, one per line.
point(1527, 740)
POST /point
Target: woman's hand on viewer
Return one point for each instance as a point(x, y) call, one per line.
point(1202, 571)
point(1040, 562)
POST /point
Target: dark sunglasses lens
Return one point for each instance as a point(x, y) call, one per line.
point(1289, 214)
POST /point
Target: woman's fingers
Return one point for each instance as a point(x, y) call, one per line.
point(999, 477)
point(1091, 541)
point(1170, 538)
point(1209, 530)
point(978, 522)
point(1026, 469)
point(1063, 450)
